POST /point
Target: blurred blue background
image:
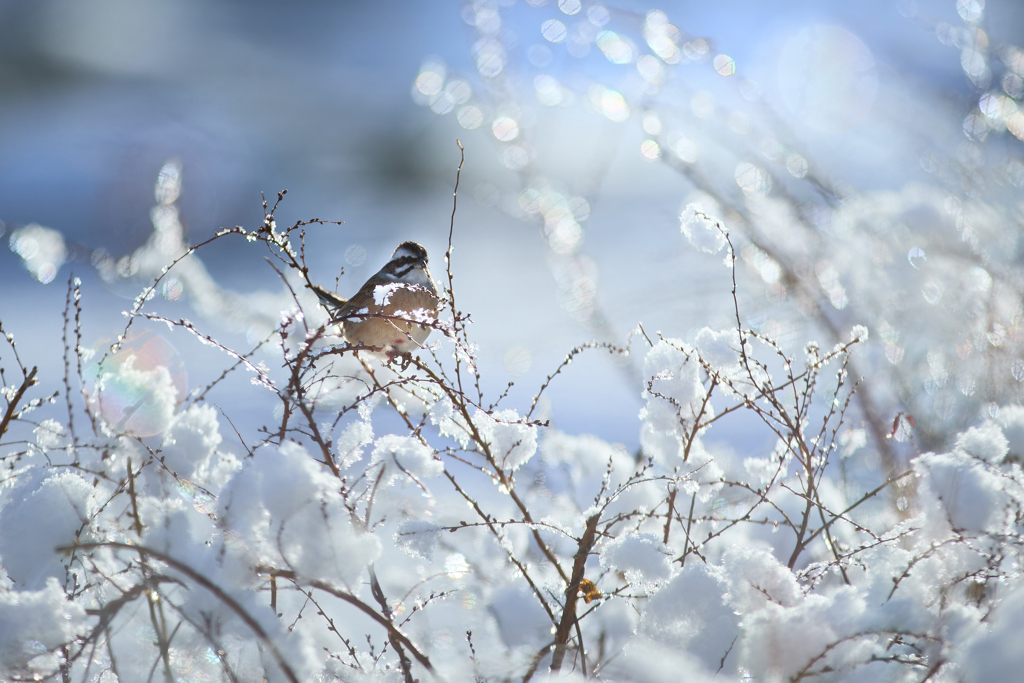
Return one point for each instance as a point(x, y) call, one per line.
point(317, 97)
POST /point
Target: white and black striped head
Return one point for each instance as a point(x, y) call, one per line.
point(407, 256)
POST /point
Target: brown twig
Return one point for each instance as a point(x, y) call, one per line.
point(572, 592)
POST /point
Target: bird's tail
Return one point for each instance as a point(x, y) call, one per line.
point(331, 301)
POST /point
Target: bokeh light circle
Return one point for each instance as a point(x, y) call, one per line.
point(828, 78)
point(137, 389)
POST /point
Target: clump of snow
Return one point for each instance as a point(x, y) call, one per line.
point(690, 613)
point(382, 293)
point(585, 457)
point(852, 440)
point(719, 349)
point(46, 513)
point(351, 442)
point(675, 392)
point(50, 434)
point(755, 578)
point(644, 661)
point(643, 558)
point(761, 470)
point(192, 440)
point(985, 442)
point(134, 399)
point(700, 229)
point(405, 456)
point(449, 423)
point(511, 443)
point(418, 538)
point(33, 625)
point(994, 654)
point(785, 640)
point(286, 509)
point(785, 633)
point(1011, 420)
point(585, 451)
point(962, 490)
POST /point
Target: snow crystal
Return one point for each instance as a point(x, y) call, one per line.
point(643, 558)
point(702, 231)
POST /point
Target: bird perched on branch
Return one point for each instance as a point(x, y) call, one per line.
point(392, 312)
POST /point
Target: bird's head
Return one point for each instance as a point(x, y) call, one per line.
point(410, 253)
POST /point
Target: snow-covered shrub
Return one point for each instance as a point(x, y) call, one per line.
point(395, 525)
point(401, 522)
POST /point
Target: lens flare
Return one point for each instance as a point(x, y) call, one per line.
point(137, 389)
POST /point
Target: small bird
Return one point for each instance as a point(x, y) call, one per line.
point(392, 311)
